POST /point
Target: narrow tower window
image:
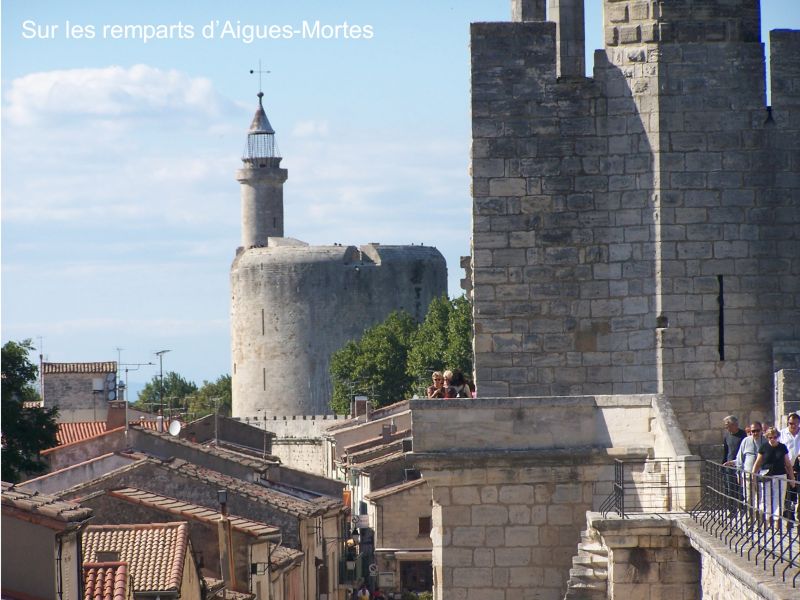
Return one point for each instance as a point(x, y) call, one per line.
point(721, 324)
point(262, 322)
point(264, 377)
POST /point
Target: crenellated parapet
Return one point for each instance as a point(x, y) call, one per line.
point(636, 232)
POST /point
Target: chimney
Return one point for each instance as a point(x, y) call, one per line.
point(570, 37)
point(527, 10)
point(386, 432)
point(226, 565)
point(115, 417)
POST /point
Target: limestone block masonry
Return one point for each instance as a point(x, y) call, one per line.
point(637, 231)
point(293, 305)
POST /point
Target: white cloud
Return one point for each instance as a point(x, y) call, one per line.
point(107, 93)
point(303, 129)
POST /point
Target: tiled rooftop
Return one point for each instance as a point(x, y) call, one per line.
point(379, 461)
point(394, 489)
point(281, 556)
point(155, 552)
point(280, 500)
point(43, 505)
point(69, 433)
point(262, 493)
point(106, 581)
point(50, 368)
point(377, 441)
point(188, 510)
point(257, 464)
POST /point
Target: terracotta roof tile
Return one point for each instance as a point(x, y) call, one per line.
point(49, 368)
point(257, 464)
point(378, 461)
point(154, 552)
point(394, 489)
point(106, 581)
point(78, 431)
point(281, 556)
point(280, 500)
point(191, 511)
point(43, 505)
point(69, 433)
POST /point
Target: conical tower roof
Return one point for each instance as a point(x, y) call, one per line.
point(260, 122)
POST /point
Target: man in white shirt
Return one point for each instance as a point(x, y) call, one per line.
point(746, 458)
point(790, 437)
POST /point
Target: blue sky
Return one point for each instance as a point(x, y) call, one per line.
point(120, 211)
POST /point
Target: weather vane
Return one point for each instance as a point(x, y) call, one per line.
point(260, 73)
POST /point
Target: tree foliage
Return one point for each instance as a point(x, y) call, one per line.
point(202, 403)
point(395, 359)
point(25, 431)
point(443, 341)
point(375, 365)
point(176, 389)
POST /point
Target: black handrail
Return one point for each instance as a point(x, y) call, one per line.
point(750, 514)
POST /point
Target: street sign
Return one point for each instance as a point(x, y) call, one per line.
point(373, 569)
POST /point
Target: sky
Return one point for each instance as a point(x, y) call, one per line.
point(123, 124)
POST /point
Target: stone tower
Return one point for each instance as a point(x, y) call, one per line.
point(293, 305)
point(637, 231)
point(262, 182)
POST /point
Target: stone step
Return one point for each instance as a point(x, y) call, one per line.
point(595, 560)
point(588, 574)
point(585, 595)
point(580, 584)
point(593, 548)
point(590, 560)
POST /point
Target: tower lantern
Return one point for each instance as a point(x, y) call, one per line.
point(261, 139)
point(262, 181)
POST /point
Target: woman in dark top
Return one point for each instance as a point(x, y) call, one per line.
point(773, 462)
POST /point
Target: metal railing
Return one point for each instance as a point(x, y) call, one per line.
point(755, 516)
point(653, 486)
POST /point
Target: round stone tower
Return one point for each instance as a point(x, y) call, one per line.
point(293, 305)
point(262, 183)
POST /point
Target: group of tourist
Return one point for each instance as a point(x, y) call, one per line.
point(450, 384)
point(767, 458)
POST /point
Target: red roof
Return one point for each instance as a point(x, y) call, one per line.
point(106, 581)
point(154, 552)
point(69, 433)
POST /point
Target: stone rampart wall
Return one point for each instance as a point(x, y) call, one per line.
point(533, 423)
point(636, 232)
point(303, 454)
point(293, 306)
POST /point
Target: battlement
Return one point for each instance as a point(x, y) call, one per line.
point(305, 427)
point(627, 227)
point(681, 21)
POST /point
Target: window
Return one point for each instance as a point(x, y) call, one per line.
point(424, 526)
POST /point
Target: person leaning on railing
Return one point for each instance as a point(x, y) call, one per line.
point(746, 457)
point(773, 463)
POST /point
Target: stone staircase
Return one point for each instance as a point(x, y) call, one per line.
point(588, 577)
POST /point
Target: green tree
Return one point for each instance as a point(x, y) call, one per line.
point(202, 402)
point(176, 390)
point(25, 431)
point(375, 365)
point(443, 341)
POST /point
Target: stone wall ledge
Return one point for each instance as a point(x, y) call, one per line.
point(499, 458)
point(752, 576)
point(618, 400)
